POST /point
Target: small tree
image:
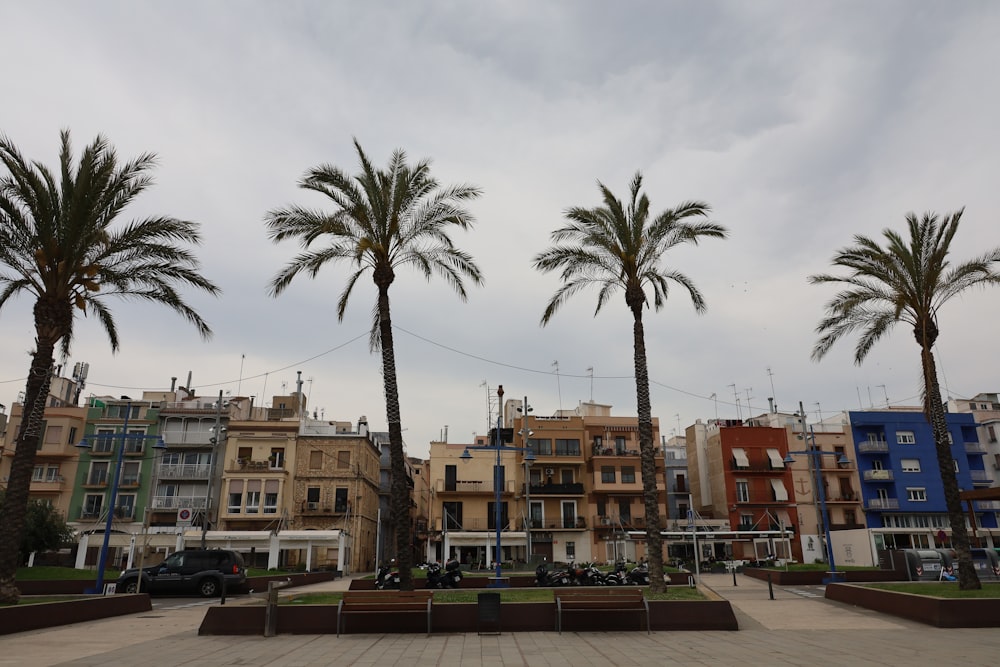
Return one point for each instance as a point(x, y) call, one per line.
point(45, 528)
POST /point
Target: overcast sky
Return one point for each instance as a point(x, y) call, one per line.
point(801, 124)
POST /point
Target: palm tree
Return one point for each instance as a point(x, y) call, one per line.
point(618, 248)
point(908, 281)
point(382, 220)
point(58, 243)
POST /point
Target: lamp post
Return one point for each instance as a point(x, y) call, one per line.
point(497, 447)
point(218, 436)
point(525, 434)
point(815, 458)
point(116, 478)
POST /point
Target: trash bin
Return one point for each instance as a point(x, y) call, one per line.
point(489, 613)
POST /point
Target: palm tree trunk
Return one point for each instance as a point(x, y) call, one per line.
point(399, 489)
point(647, 459)
point(934, 410)
point(12, 515)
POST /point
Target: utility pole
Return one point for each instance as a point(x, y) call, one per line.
point(215, 440)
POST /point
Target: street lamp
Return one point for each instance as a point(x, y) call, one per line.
point(125, 438)
point(815, 460)
point(498, 447)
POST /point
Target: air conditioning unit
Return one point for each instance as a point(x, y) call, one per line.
point(605, 521)
point(312, 506)
point(550, 471)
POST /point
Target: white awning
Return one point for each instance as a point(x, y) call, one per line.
point(775, 457)
point(783, 517)
point(741, 457)
point(780, 493)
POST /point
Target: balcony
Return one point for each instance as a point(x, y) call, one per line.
point(980, 477)
point(845, 497)
point(96, 481)
point(47, 485)
point(251, 465)
point(90, 514)
point(679, 488)
point(321, 508)
point(872, 447)
point(575, 489)
point(619, 522)
point(766, 468)
point(987, 505)
point(125, 513)
point(177, 502)
point(878, 476)
point(611, 451)
point(882, 504)
point(974, 448)
point(184, 471)
point(846, 526)
point(475, 486)
point(187, 438)
point(129, 481)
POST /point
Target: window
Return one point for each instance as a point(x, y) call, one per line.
point(72, 435)
point(277, 458)
point(628, 474)
point(570, 550)
point(270, 503)
point(126, 506)
point(740, 459)
point(53, 435)
point(905, 438)
point(619, 445)
point(780, 492)
point(98, 473)
point(312, 494)
point(253, 502)
point(92, 504)
point(566, 476)
point(991, 432)
point(608, 474)
point(452, 512)
point(567, 447)
point(850, 518)
point(344, 460)
point(955, 463)
point(746, 521)
point(340, 500)
point(235, 503)
point(315, 460)
point(742, 491)
point(130, 474)
point(916, 494)
point(491, 517)
point(909, 465)
point(38, 474)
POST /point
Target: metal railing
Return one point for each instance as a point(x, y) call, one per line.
point(878, 476)
point(184, 471)
point(177, 502)
point(882, 504)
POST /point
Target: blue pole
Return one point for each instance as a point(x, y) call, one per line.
point(496, 507)
point(102, 561)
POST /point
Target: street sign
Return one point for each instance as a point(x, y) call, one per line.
point(184, 516)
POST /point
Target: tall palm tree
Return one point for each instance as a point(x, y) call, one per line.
point(382, 220)
point(59, 243)
point(908, 281)
point(618, 248)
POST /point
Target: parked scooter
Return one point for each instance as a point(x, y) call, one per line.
point(618, 577)
point(452, 574)
point(387, 578)
point(638, 575)
point(588, 575)
point(545, 578)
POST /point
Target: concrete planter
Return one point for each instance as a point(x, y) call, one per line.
point(815, 577)
point(20, 618)
point(939, 612)
point(514, 617)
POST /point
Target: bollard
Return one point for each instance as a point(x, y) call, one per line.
point(770, 587)
point(222, 600)
point(271, 611)
point(734, 574)
point(690, 581)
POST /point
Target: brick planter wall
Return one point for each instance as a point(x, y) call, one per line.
point(19, 618)
point(939, 612)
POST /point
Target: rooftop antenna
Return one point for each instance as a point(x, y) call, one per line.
point(716, 399)
point(736, 398)
point(590, 370)
point(884, 393)
point(558, 383)
point(819, 413)
point(240, 383)
point(749, 409)
point(770, 377)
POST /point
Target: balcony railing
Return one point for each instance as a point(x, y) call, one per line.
point(322, 508)
point(987, 505)
point(90, 514)
point(980, 477)
point(678, 488)
point(187, 438)
point(872, 446)
point(557, 489)
point(974, 448)
point(177, 502)
point(622, 521)
point(184, 471)
point(130, 481)
point(251, 465)
point(844, 497)
point(878, 476)
point(882, 504)
point(612, 451)
point(96, 481)
point(474, 486)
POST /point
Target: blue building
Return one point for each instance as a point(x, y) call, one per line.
point(900, 479)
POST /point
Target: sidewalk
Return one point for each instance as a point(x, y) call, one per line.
point(798, 627)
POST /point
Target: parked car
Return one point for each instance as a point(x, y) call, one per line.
point(192, 571)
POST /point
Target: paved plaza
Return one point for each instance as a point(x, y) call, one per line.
point(797, 627)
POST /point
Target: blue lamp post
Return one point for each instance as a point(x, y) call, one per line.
point(815, 460)
point(116, 478)
point(498, 447)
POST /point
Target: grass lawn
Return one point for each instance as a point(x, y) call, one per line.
point(60, 573)
point(506, 595)
point(944, 589)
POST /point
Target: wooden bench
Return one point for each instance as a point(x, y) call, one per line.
point(601, 600)
point(384, 602)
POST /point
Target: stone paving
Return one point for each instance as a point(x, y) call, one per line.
point(798, 627)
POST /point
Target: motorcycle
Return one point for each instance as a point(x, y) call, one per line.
point(638, 575)
point(386, 578)
point(435, 579)
point(453, 573)
point(545, 578)
point(618, 577)
point(588, 575)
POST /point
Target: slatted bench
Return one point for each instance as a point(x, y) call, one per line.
point(384, 602)
point(602, 601)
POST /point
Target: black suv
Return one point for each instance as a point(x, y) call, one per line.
point(198, 571)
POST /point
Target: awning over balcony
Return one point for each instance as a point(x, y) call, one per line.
point(741, 457)
point(780, 492)
point(775, 457)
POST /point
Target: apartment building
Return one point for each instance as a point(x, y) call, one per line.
point(901, 481)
